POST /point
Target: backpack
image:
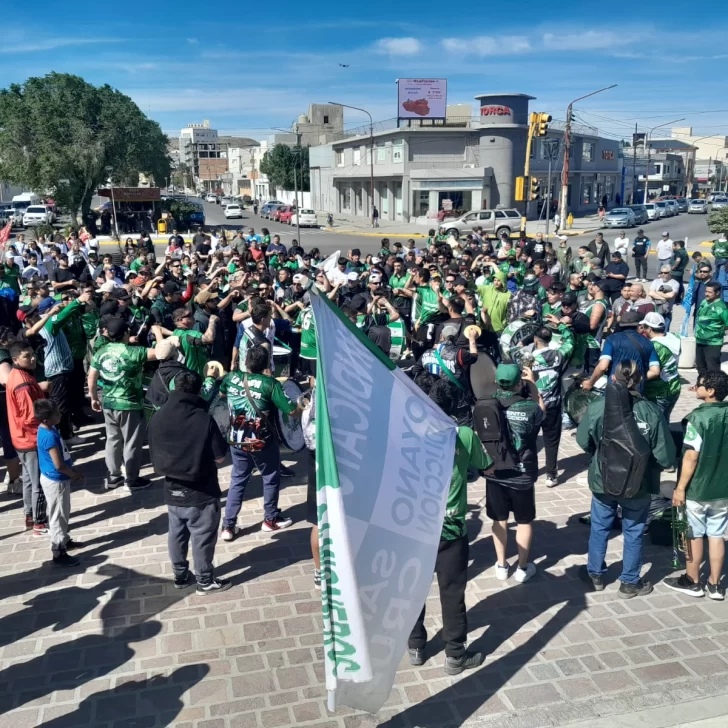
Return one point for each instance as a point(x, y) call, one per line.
point(624, 453)
point(491, 426)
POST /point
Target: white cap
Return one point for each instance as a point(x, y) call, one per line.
point(654, 320)
point(9, 254)
point(299, 278)
point(563, 237)
point(375, 277)
point(376, 260)
point(352, 276)
point(665, 233)
point(107, 287)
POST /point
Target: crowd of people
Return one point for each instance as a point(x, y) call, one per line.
point(193, 350)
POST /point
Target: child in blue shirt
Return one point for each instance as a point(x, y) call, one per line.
point(56, 475)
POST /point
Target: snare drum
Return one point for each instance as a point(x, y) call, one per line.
point(289, 429)
point(281, 361)
point(516, 332)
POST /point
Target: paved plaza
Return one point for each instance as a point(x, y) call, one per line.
point(115, 645)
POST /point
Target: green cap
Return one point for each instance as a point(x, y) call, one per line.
point(508, 375)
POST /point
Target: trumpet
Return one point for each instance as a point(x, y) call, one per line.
point(680, 539)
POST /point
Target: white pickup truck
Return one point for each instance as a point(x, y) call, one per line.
point(492, 221)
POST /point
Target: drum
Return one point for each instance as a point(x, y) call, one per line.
point(281, 361)
point(482, 376)
point(516, 332)
point(220, 412)
point(289, 429)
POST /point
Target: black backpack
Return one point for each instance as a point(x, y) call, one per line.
point(491, 426)
point(624, 453)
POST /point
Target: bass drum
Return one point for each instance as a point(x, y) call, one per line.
point(482, 376)
point(281, 361)
point(289, 429)
point(515, 333)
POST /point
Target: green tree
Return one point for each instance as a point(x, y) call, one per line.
point(718, 221)
point(279, 164)
point(58, 135)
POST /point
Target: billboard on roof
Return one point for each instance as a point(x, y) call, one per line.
point(421, 98)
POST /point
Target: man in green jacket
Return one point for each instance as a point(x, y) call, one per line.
point(703, 486)
point(655, 430)
point(711, 322)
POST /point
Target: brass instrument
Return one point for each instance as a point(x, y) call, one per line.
point(680, 539)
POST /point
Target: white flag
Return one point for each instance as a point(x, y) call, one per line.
point(384, 461)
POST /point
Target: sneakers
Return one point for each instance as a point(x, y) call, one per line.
point(40, 529)
point(685, 585)
point(182, 582)
point(501, 572)
point(595, 580)
point(228, 534)
point(63, 559)
point(71, 545)
point(15, 487)
point(454, 666)
point(416, 656)
point(214, 587)
point(139, 484)
point(75, 440)
point(29, 522)
point(640, 589)
point(523, 575)
point(278, 524)
point(112, 483)
point(317, 578)
point(715, 591)
point(551, 481)
point(286, 472)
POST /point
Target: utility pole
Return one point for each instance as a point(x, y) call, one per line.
point(647, 144)
point(567, 150)
point(634, 165)
point(110, 170)
point(532, 125)
point(552, 149)
point(295, 183)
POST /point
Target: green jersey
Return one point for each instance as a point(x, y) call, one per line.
point(711, 323)
point(120, 369)
point(266, 391)
point(10, 278)
point(720, 249)
point(307, 323)
point(468, 453)
point(137, 263)
point(90, 322)
point(194, 350)
point(590, 338)
point(668, 383)
point(707, 433)
point(75, 335)
point(427, 304)
point(399, 282)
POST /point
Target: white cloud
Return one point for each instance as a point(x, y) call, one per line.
point(488, 45)
point(399, 46)
point(49, 44)
point(193, 41)
point(588, 40)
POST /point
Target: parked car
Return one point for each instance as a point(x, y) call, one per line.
point(619, 217)
point(278, 211)
point(719, 203)
point(36, 215)
point(662, 209)
point(273, 210)
point(492, 221)
point(640, 214)
point(698, 207)
point(652, 212)
point(672, 204)
point(225, 201)
point(267, 208)
point(304, 218)
point(285, 214)
point(211, 198)
point(232, 211)
point(682, 204)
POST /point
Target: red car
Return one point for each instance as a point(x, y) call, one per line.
point(285, 215)
point(276, 214)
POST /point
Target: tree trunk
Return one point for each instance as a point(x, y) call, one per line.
point(86, 205)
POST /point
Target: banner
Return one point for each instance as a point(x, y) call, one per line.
point(5, 233)
point(384, 460)
point(687, 304)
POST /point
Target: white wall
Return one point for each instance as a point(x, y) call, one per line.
point(289, 197)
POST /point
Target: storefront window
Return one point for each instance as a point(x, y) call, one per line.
point(586, 194)
point(422, 202)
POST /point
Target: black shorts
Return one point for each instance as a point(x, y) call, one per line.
point(307, 367)
point(500, 501)
point(311, 508)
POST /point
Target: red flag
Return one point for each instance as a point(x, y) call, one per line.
point(5, 233)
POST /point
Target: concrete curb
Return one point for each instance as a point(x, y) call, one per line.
point(383, 234)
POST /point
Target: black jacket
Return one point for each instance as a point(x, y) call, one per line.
point(159, 386)
point(184, 442)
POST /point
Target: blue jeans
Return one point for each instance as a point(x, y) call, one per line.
point(268, 461)
point(634, 517)
point(668, 321)
point(667, 404)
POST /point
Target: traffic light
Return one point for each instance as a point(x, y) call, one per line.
point(542, 124)
point(535, 188)
point(520, 189)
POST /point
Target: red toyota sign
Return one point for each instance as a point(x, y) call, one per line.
point(495, 111)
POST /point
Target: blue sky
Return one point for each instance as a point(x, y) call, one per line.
point(248, 71)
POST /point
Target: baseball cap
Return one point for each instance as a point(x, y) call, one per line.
point(46, 304)
point(375, 277)
point(665, 234)
point(653, 320)
point(356, 251)
point(300, 278)
point(170, 287)
point(120, 294)
point(116, 327)
point(631, 318)
point(508, 375)
point(569, 299)
point(352, 276)
point(449, 330)
point(204, 296)
point(9, 254)
point(376, 260)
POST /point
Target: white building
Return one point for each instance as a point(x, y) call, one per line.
point(8, 191)
point(708, 147)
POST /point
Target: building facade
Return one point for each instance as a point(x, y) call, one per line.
point(465, 163)
point(708, 147)
point(322, 124)
point(201, 150)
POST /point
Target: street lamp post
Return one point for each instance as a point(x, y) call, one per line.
point(113, 206)
point(567, 150)
point(552, 150)
point(371, 152)
point(647, 143)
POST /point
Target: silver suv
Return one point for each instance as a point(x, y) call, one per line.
point(492, 221)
